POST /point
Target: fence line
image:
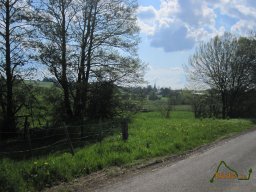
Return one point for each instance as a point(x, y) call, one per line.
point(35, 140)
point(46, 137)
point(35, 149)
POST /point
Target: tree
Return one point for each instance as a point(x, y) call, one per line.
point(205, 104)
point(249, 44)
point(14, 33)
point(223, 65)
point(53, 41)
point(167, 107)
point(106, 33)
point(102, 102)
point(85, 41)
point(165, 92)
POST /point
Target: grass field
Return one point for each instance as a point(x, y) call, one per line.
point(156, 105)
point(150, 135)
point(40, 83)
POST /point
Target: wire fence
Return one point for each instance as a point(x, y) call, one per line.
point(41, 141)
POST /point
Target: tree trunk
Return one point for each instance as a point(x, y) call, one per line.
point(85, 63)
point(224, 105)
point(88, 64)
point(9, 119)
point(79, 101)
point(64, 81)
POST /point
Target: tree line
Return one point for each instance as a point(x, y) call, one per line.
point(83, 44)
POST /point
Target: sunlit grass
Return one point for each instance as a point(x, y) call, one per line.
point(150, 135)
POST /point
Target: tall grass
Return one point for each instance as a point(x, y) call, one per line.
point(150, 135)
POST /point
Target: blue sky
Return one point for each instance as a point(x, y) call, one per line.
point(171, 29)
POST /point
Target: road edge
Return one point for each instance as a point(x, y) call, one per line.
point(111, 175)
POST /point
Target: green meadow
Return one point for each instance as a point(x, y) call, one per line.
point(150, 135)
point(40, 83)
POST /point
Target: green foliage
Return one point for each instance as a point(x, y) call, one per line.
point(40, 174)
point(151, 135)
point(130, 102)
point(206, 104)
point(44, 83)
point(102, 101)
point(153, 96)
point(246, 107)
point(43, 104)
point(10, 177)
point(167, 107)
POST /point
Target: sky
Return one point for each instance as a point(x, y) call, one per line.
point(171, 30)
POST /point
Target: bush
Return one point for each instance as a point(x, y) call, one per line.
point(101, 101)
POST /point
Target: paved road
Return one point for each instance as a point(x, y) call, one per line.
point(193, 174)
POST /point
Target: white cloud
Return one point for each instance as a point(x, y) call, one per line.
point(246, 11)
point(241, 26)
point(166, 13)
point(147, 27)
point(190, 21)
point(151, 19)
point(147, 11)
point(166, 77)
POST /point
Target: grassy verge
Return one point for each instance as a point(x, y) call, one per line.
point(150, 136)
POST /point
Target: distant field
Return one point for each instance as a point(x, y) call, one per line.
point(154, 105)
point(150, 135)
point(40, 83)
point(182, 108)
point(158, 104)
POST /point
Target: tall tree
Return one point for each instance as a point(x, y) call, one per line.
point(249, 45)
point(224, 65)
point(14, 33)
point(82, 41)
point(53, 20)
point(84, 34)
point(106, 32)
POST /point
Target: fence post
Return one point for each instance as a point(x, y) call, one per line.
point(27, 135)
point(124, 125)
point(101, 128)
point(82, 132)
point(69, 140)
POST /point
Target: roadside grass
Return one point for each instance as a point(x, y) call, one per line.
point(150, 135)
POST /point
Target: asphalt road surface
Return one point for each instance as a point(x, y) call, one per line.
point(194, 173)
